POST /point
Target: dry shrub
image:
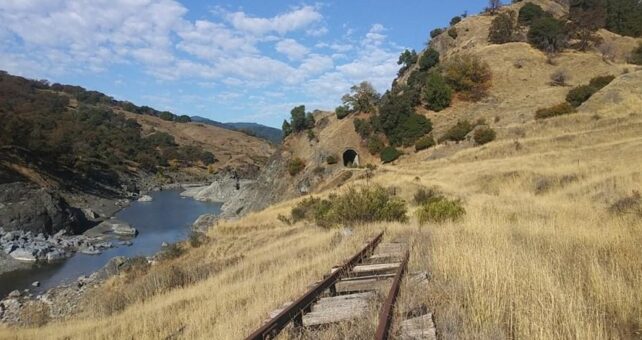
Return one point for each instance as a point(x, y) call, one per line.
point(559, 78)
point(440, 209)
point(469, 75)
point(557, 110)
point(627, 205)
point(35, 313)
point(423, 196)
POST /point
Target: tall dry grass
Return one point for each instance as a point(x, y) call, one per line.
point(538, 255)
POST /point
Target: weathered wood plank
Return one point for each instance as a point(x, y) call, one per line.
point(372, 284)
point(419, 328)
point(337, 308)
point(383, 267)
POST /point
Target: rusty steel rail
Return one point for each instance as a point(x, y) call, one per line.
point(294, 312)
point(386, 313)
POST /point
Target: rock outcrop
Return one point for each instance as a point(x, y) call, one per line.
point(38, 210)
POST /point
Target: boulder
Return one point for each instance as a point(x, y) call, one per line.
point(36, 284)
point(145, 198)
point(91, 250)
point(39, 210)
point(55, 256)
point(14, 294)
point(22, 254)
point(90, 214)
point(124, 229)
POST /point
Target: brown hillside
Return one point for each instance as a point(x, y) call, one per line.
point(233, 149)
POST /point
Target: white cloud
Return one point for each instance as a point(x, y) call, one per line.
point(291, 49)
point(282, 24)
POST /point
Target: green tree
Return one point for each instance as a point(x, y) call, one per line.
point(624, 17)
point(341, 111)
point(502, 29)
point(362, 98)
point(429, 59)
point(183, 119)
point(529, 13)
point(166, 115)
point(286, 128)
point(406, 59)
point(437, 94)
point(469, 75)
point(298, 118)
point(455, 20)
point(548, 34)
point(437, 31)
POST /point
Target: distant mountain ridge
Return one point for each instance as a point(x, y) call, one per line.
point(271, 134)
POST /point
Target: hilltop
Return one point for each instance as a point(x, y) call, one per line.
point(531, 232)
point(253, 129)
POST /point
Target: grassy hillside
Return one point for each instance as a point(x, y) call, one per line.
point(548, 247)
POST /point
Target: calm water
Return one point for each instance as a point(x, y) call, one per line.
point(167, 218)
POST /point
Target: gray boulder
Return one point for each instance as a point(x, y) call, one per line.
point(145, 198)
point(55, 256)
point(22, 254)
point(91, 250)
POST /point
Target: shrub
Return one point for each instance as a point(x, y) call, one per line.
point(165, 115)
point(440, 209)
point(429, 59)
point(295, 166)
point(458, 132)
point(579, 95)
point(557, 110)
point(369, 204)
point(183, 119)
point(636, 55)
point(284, 219)
point(559, 78)
point(548, 34)
point(529, 13)
point(197, 239)
point(628, 205)
point(342, 111)
point(436, 32)
point(423, 196)
point(375, 145)
point(501, 29)
point(362, 127)
point(601, 81)
point(484, 135)
point(331, 159)
point(452, 32)
point(468, 74)
point(455, 20)
point(311, 136)
point(437, 94)
point(389, 154)
point(424, 143)
point(171, 251)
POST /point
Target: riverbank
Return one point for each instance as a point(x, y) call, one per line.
point(163, 218)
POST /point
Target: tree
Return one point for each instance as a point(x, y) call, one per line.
point(429, 59)
point(436, 32)
point(286, 128)
point(548, 34)
point(455, 20)
point(529, 13)
point(183, 119)
point(437, 94)
point(494, 6)
point(406, 59)
point(636, 55)
point(469, 75)
point(309, 120)
point(341, 111)
point(624, 17)
point(362, 98)
point(166, 115)
point(587, 16)
point(298, 119)
point(502, 29)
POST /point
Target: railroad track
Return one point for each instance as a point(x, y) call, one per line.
point(346, 292)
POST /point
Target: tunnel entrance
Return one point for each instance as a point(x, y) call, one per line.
point(350, 158)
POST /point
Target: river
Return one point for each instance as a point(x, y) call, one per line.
point(167, 218)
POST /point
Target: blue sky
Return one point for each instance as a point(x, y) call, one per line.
point(228, 61)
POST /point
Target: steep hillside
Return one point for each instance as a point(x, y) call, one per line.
point(253, 129)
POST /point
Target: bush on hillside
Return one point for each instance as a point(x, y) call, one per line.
point(423, 196)
point(579, 95)
point(557, 110)
point(469, 75)
point(341, 111)
point(362, 127)
point(636, 55)
point(424, 143)
point(458, 132)
point(398, 120)
point(601, 81)
point(529, 13)
point(183, 119)
point(628, 205)
point(455, 20)
point(166, 115)
point(548, 34)
point(295, 166)
point(375, 145)
point(502, 29)
point(559, 78)
point(389, 154)
point(369, 204)
point(440, 209)
point(429, 59)
point(437, 94)
point(452, 32)
point(484, 135)
point(436, 32)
